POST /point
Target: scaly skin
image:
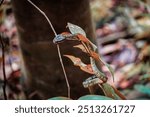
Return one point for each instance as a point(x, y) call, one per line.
point(97, 72)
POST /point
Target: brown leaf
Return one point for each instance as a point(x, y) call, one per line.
point(81, 47)
point(77, 62)
point(86, 40)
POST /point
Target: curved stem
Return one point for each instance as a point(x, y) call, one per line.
point(58, 49)
point(67, 82)
point(48, 20)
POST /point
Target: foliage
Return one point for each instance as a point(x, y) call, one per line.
point(86, 97)
point(123, 36)
point(59, 98)
point(123, 42)
point(143, 89)
point(10, 75)
point(78, 34)
point(94, 97)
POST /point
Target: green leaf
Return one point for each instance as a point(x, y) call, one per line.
point(145, 15)
point(94, 97)
point(145, 76)
point(59, 98)
point(74, 29)
point(143, 89)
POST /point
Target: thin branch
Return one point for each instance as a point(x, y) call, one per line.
point(3, 67)
point(67, 82)
point(48, 20)
point(58, 48)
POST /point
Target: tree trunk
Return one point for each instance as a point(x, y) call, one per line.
point(41, 62)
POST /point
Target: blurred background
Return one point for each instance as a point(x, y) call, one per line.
point(120, 28)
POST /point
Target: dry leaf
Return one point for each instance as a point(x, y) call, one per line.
point(77, 62)
point(80, 46)
point(87, 41)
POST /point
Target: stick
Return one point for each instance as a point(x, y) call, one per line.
point(58, 48)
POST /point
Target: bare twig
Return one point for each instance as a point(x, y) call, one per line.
point(67, 82)
point(3, 67)
point(58, 48)
point(48, 20)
